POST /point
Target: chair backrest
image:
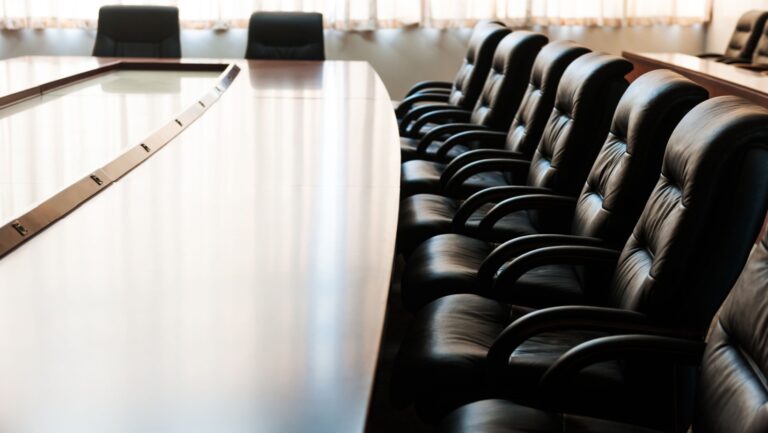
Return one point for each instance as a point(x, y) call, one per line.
point(628, 165)
point(701, 219)
point(473, 71)
point(760, 55)
point(746, 34)
point(528, 124)
point(733, 393)
point(285, 36)
point(507, 79)
point(138, 31)
point(586, 98)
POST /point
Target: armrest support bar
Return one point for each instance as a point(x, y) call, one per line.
point(423, 85)
point(489, 195)
point(613, 320)
point(584, 255)
point(517, 247)
point(474, 155)
point(494, 164)
point(515, 204)
point(619, 347)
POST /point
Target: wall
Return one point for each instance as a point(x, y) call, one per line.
point(401, 57)
point(725, 13)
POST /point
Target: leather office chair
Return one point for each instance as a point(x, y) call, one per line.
point(497, 104)
point(759, 60)
point(420, 176)
point(744, 38)
point(576, 128)
point(684, 255)
point(466, 86)
point(610, 202)
point(730, 396)
point(285, 36)
point(138, 31)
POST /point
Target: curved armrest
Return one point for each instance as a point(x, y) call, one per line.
point(759, 67)
point(584, 255)
point(423, 85)
point(443, 118)
point(416, 112)
point(611, 320)
point(489, 195)
point(732, 60)
point(561, 203)
point(471, 156)
point(494, 164)
point(710, 56)
point(407, 103)
point(619, 347)
point(514, 248)
point(483, 139)
point(449, 129)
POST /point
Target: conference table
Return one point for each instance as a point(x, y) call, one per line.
point(193, 245)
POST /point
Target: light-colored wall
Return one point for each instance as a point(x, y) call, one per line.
point(725, 13)
point(401, 57)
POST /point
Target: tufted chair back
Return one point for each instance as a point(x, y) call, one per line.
point(138, 31)
point(746, 34)
point(507, 79)
point(528, 124)
point(628, 165)
point(473, 71)
point(760, 56)
point(732, 395)
point(701, 219)
point(285, 36)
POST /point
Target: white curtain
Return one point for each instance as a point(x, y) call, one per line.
point(370, 14)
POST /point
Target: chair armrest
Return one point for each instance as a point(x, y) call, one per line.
point(584, 255)
point(517, 247)
point(561, 203)
point(758, 67)
point(449, 130)
point(443, 118)
point(578, 317)
point(452, 187)
point(471, 156)
point(407, 103)
point(414, 113)
point(619, 347)
point(732, 60)
point(483, 139)
point(424, 85)
point(489, 195)
point(710, 56)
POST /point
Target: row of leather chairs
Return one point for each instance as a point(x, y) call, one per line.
point(153, 31)
point(569, 238)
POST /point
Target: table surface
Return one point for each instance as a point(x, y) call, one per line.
point(234, 282)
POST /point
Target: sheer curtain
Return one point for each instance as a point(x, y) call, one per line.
point(371, 14)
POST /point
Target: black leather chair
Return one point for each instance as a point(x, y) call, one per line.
point(138, 31)
point(285, 36)
point(731, 395)
point(463, 92)
point(610, 202)
point(744, 38)
point(419, 176)
point(576, 128)
point(759, 60)
point(684, 255)
point(497, 104)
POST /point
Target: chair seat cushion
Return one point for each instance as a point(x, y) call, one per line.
point(502, 416)
point(423, 177)
point(409, 146)
point(423, 216)
point(443, 358)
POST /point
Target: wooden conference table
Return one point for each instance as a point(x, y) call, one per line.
point(194, 246)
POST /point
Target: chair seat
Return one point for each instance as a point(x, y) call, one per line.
point(447, 264)
point(409, 146)
point(502, 416)
point(423, 177)
point(423, 216)
point(441, 363)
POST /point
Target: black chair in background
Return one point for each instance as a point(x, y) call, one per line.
point(138, 31)
point(743, 40)
point(285, 36)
